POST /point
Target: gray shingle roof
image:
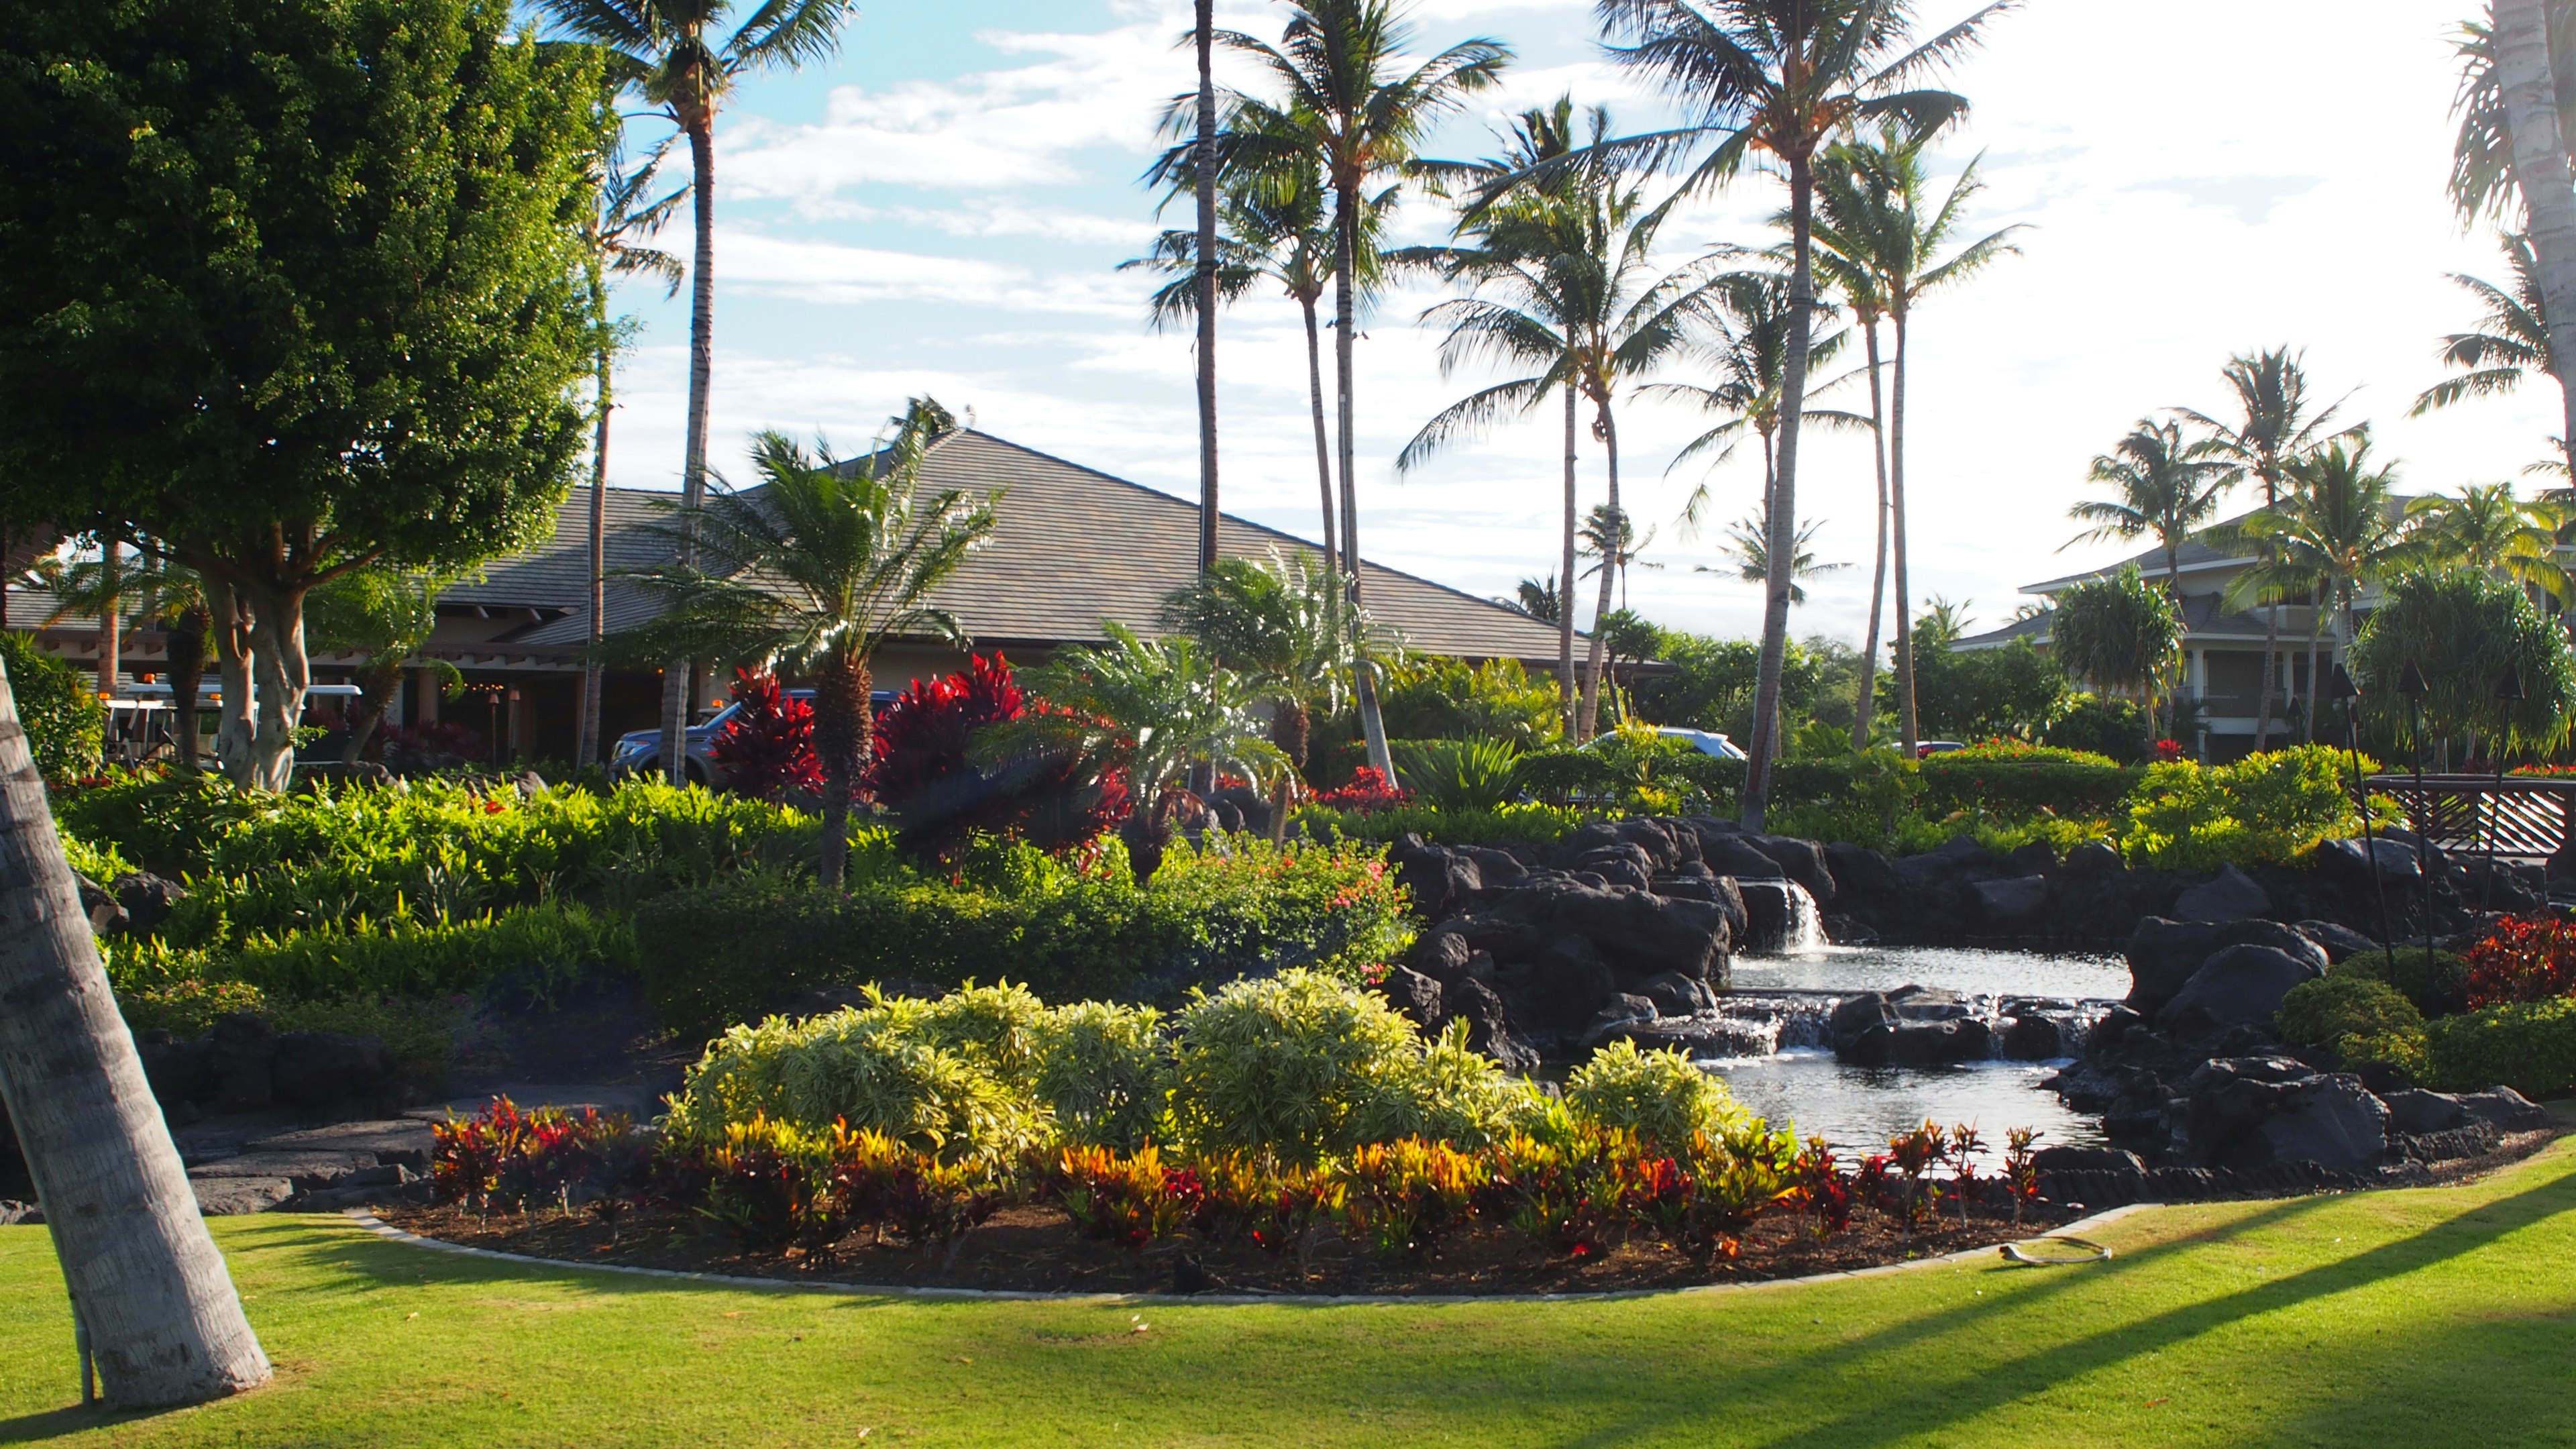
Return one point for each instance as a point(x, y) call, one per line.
point(1074, 545)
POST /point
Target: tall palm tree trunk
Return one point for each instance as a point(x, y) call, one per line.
point(1864, 708)
point(1206, 167)
point(1323, 439)
point(1595, 657)
point(1783, 544)
point(677, 673)
point(1346, 231)
point(586, 750)
point(2316, 691)
point(2540, 169)
point(1909, 725)
point(1565, 685)
point(147, 1285)
point(111, 632)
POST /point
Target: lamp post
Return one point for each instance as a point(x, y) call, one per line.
point(2410, 683)
point(2508, 692)
point(2340, 687)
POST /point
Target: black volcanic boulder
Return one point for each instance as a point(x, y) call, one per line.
point(1802, 861)
point(1735, 856)
point(1489, 1027)
point(1441, 880)
point(1562, 986)
point(2238, 986)
point(2255, 1112)
point(1640, 933)
point(2010, 901)
point(1622, 864)
point(1860, 871)
point(2163, 954)
point(2337, 941)
point(1677, 995)
point(1912, 1026)
point(319, 1068)
point(2230, 895)
point(1649, 837)
point(1414, 994)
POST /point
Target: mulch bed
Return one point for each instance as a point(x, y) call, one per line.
point(1034, 1247)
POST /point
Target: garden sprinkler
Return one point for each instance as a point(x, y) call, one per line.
point(2341, 687)
point(2410, 683)
point(2508, 692)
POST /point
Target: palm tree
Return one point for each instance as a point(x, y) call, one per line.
point(1204, 278)
point(1541, 599)
point(1346, 101)
point(683, 57)
point(1280, 624)
point(150, 1294)
point(2513, 342)
point(2516, 103)
point(1881, 226)
point(2118, 632)
point(627, 213)
point(2275, 427)
point(1740, 331)
point(1783, 79)
point(2488, 529)
point(1847, 198)
point(385, 615)
point(2337, 530)
point(2167, 487)
point(814, 571)
point(1749, 539)
point(1161, 709)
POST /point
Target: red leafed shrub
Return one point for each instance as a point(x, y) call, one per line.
point(2526, 959)
point(920, 770)
point(506, 1158)
point(433, 745)
point(1368, 790)
point(2168, 752)
point(767, 748)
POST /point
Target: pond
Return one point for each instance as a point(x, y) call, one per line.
point(1858, 1108)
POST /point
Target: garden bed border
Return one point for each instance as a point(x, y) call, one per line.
point(388, 1231)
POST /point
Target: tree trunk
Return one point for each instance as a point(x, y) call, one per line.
point(1865, 707)
point(586, 747)
point(111, 630)
point(2540, 170)
point(283, 672)
point(236, 655)
point(377, 679)
point(1783, 544)
point(147, 1284)
point(1346, 225)
point(1288, 728)
point(2316, 683)
point(1206, 168)
point(1595, 657)
point(1565, 685)
point(841, 733)
point(186, 652)
point(1323, 441)
point(1909, 725)
point(693, 468)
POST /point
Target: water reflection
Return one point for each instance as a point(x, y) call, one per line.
point(1981, 973)
point(1858, 1108)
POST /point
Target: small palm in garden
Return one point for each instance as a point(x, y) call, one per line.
point(814, 571)
point(1283, 625)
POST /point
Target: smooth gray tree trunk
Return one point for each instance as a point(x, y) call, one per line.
point(586, 748)
point(676, 703)
point(1206, 259)
point(1865, 707)
point(1346, 223)
point(1784, 500)
point(1323, 439)
point(1565, 685)
point(1593, 658)
point(146, 1280)
point(1909, 725)
point(2540, 169)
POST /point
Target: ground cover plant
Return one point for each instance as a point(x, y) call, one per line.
point(2410, 1316)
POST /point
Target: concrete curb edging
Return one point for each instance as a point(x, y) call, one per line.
point(389, 1232)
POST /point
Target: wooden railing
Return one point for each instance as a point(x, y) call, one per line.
point(2519, 818)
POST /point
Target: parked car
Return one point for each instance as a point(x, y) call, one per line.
point(1926, 749)
point(639, 752)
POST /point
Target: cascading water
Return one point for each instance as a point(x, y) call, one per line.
point(1806, 923)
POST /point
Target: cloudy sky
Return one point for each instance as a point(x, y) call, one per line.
point(943, 207)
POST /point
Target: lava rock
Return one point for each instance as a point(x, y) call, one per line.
point(319, 1068)
point(99, 904)
point(2010, 901)
point(2355, 859)
point(2231, 895)
point(1414, 994)
point(2508, 1109)
point(1440, 880)
point(2415, 1112)
point(1489, 1027)
point(1860, 870)
point(1641, 933)
point(179, 1071)
point(1921, 1044)
point(1622, 864)
point(1770, 913)
point(2034, 1039)
point(147, 899)
point(239, 1050)
point(2239, 986)
point(2163, 954)
point(1563, 986)
point(2254, 1112)
point(2094, 858)
point(1802, 861)
point(2087, 1159)
point(1674, 994)
point(1735, 855)
point(1622, 1010)
point(1649, 838)
point(2337, 941)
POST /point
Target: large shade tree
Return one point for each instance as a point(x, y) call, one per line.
point(813, 571)
point(287, 362)
point(1773, 82)
point(683, 58)
point(1342, 90)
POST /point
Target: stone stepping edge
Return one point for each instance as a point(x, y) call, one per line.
point(1991, 1253)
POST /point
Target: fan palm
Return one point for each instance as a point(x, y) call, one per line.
point(1780, 80)
point(1748, 543)
point(2167, 487)
point(812, 572)
point(2337, 530)
point(2274, 427)
point(1880, 231)
point(1281, 625)
point(683, 58)
point(1345, 98)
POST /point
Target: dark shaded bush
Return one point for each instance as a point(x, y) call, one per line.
point(767, 748)
point(65, 723)
point(923, 772)
point(2437, 982)
point(2023, 787)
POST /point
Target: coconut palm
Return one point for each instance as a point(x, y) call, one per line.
point(1280, 624)
point(1344, 97)
point(1748, 541)
point(383, 615)
point(2512, 342)
point(1161, 709)
point(146, 591)
point(2274, 426)
point(2337, 530)
point(2517, 110)
point(683, 58)
point(2488, 529)
point(813, 572)
point(1880, 230)
point(2167, 486)
point(1740, 332)
point(1781, 80)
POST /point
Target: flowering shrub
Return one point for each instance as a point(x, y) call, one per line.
point(2524, 959)
point(767, 748)
point(2168, 752)
point(1369, 789)
point(921, 770)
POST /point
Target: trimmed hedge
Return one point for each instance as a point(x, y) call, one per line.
point(2529, 1046)
point(2020, 788)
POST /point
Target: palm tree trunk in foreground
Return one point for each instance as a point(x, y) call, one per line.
point(1784, 500)
point(1593, 660)
point(676, 703)
point(1866, 706)
point(1346, 328)
point(1323, 442)
point(2540, 169)
point(841, 735)
point(586, 749)
point(1206, 259)
point(146, 1281)
point(2271, 675)
point(1565, 686)
point(1909, 725)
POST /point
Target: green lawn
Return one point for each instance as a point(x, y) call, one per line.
point(2432, 1317)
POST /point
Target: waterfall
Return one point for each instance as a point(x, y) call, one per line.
point(1806, 924)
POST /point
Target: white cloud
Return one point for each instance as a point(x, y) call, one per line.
point(828, 272)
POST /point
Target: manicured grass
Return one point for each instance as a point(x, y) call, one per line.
point(2444, 1316)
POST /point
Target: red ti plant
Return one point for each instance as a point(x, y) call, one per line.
point(767, 748)
point(2525, 958)
point(1914, 1153)
point(1962, 1152)
point(1824, 1193)
point(1368, 790)
point(2021, 1168)
point(923, 771)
